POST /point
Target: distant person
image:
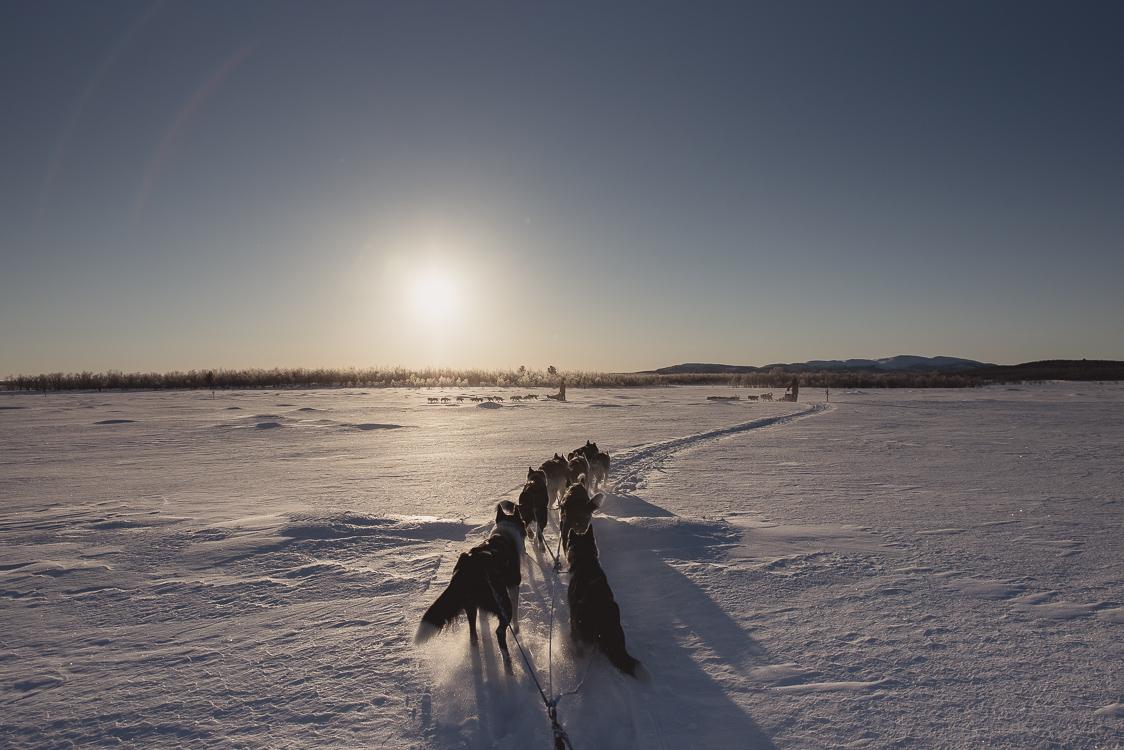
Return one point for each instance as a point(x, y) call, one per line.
point(561, 395)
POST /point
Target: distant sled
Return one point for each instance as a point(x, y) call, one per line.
point(561, 395)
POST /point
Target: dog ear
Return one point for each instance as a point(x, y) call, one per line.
point(530, 472)
point(598, 499)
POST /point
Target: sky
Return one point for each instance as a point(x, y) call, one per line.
point(599, 186)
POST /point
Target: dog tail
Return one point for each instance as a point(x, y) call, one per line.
point(442, 612)
point(629, 665)
point(611, 642)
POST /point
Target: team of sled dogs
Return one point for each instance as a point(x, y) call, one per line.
point(487, 577)
point(479, 399)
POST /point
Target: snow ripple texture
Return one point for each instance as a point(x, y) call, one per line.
point(899, 568)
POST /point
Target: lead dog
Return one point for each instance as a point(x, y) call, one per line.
point(598, 464)
point(485, 578)
point(595, 617)
point(533, 502)
point(588, 450)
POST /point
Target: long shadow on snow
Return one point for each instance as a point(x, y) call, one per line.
point(668, 620)
point(630, 506)
point(671, 625)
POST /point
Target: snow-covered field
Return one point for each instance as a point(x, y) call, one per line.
point(893, 568)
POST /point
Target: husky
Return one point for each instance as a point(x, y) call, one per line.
point(599, 465)
point(533, 502)
point(589, 450)
point(595, 618)
point(485, 578)
point(557, 480)
point(577, 510)
point(597, 462)
point(577, 468)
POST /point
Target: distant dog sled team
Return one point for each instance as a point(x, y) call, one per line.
point(487, 577)
point(560, 396)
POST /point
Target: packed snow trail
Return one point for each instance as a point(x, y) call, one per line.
point(631, 465)
point(610, 710)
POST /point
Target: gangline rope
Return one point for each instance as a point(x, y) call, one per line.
point(561, 739)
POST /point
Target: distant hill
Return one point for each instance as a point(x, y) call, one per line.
point(1052, 369)
point(905, 370)
point(694, 368)
point(900, 363)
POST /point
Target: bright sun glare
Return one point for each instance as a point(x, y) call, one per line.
point(434, 297)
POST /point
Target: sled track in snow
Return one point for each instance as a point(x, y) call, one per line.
point(630, 465)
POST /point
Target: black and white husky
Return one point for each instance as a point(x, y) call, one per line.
point(533, 502)
point(485, 578)
point(577, 510)
point(595, 618)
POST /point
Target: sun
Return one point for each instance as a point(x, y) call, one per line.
point(434, 297)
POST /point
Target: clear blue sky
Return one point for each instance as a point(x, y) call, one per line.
point(605, 186)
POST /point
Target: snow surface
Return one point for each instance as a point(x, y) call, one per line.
point(894, 568)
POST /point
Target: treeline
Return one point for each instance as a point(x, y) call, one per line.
point(1029, 372)
point(401, 377)
point(392, 377)
point(1054, 369)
